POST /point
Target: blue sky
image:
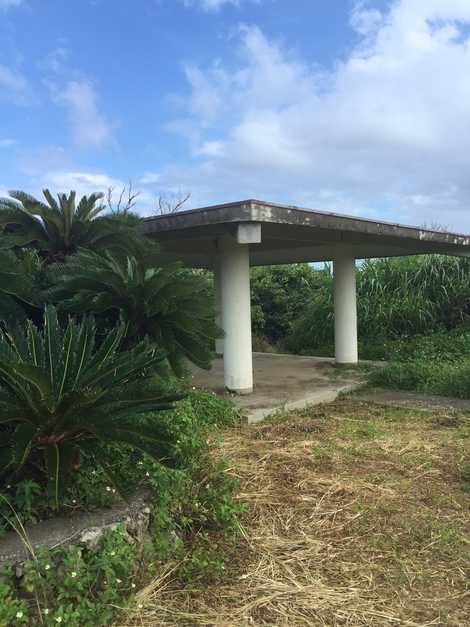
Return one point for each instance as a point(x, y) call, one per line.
point(357, 107)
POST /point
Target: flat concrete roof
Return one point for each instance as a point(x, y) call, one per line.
point(292, 234)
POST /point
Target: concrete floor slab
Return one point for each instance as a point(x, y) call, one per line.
point(284, 382)
point(413, 400)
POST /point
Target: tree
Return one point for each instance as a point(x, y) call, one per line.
point(168, 304)
point(172, 203)
point(58, 228)
point(122, 209)
point(62, 396)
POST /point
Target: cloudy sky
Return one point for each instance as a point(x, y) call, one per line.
point(355, 107)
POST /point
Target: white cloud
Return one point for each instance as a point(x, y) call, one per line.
point(386, 133)
point(90, 128)
point(364, 20)
point(55, 61)
point(213, 5)
point(150, 178)
point(86, 183)
point(12, 84)
point(9, 4)
point(81, 182)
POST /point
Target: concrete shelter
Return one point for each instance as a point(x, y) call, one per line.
point(230, 238)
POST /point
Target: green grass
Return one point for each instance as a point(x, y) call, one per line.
point(430, 377)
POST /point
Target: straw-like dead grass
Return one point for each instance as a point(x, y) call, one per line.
point(358, 515)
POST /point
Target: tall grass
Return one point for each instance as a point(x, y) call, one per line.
point(397, 298)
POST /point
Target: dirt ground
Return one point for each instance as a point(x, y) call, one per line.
point(358, 514)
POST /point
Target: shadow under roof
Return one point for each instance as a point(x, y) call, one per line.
point(292, 234)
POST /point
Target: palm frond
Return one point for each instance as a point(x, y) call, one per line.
point(171, 306)
point(60, 392)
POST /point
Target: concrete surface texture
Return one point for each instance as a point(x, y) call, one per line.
point(412, 400)
point(283, 382)
point(75, 528)
point(286, 234)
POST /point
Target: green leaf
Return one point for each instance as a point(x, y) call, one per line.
point(52, 454)
point(22, 443)
point(36, 376)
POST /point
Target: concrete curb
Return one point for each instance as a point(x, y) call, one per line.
point(326, 395)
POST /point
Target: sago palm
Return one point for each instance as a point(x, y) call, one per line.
point(18, 293)
point(170, 305)
point(61, 395)
point(57, 228)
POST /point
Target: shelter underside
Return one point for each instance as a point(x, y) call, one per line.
point(290, 234)
point(230, 238)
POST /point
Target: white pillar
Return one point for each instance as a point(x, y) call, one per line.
point(219, 343)
point(236, 316)
point(344, 268)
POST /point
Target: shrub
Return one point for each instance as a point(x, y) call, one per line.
point(62, 396)
point(277, 294)
point(397, 298)
point(18, 284)
point(170, 305)
point(313, 324)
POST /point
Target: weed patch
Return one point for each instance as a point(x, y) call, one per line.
point(194, 523)
point(331, 538)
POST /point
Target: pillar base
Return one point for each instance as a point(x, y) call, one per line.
point(241, 392)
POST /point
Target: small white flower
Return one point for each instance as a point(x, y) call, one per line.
point(74, 501)
point(58, 619)
point(73, 574)
point(194, 387)
point(132, 585)
point(47, 566)
point(46, 611)
point(113, 552)
point(19, 614)
point(140, 606)
point(93, 472)
point(118, 580)
point(147, 474)
point(108, 489)
point(114, 490)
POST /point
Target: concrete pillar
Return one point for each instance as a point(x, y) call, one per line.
point(344, 269)
point(219, 343)
point(236, 316)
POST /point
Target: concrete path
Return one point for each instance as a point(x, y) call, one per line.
point(412, 400)
point(284, 382)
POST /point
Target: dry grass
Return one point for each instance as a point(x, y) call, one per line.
point(358, 515)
